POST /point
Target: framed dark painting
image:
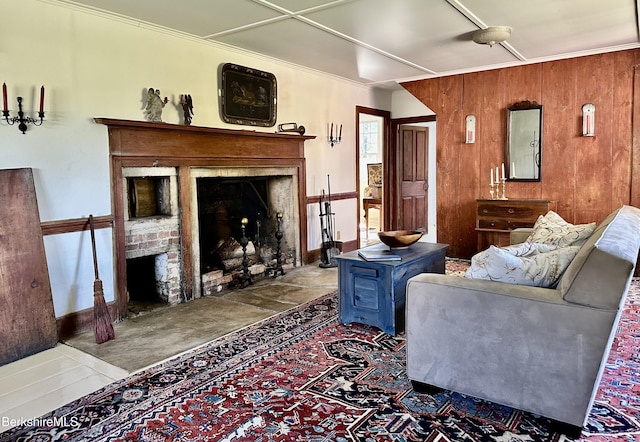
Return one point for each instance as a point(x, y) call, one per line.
point(249, 96)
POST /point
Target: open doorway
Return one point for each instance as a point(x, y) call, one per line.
point(372, 137)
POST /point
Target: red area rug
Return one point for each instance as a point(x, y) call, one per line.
point(302, 376)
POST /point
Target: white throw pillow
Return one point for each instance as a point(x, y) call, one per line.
point(553, 229)
point(532, 264)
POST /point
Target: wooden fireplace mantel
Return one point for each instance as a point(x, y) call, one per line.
point(146, 144)
point(143, 138)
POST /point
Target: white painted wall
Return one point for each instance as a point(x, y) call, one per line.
point(406, 105)
point(96, 66)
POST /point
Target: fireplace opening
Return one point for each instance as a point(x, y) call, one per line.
point(146, 280)
point(223, 203)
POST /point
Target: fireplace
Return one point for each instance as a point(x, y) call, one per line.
point(165, 179)
point(223, 197)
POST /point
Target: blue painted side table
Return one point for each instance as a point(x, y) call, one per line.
point(374, 292)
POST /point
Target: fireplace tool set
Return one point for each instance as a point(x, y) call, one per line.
point(329, 249)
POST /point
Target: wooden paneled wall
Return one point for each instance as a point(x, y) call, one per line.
point(589, 177)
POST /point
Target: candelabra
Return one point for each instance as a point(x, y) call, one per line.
point(244, 241)
point(496, 190)
point(21, 119)
point(338, 138)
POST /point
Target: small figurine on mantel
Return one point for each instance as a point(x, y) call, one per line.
point(187, 107)
point(153, 111)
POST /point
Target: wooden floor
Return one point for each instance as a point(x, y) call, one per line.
point(47, 380)
point(370, 237)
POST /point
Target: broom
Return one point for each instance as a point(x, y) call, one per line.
point(103, 327)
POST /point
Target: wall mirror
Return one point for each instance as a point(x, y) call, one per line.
point(524, 141)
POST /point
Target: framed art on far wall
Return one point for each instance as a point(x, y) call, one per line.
point(374, 172)
point(249, 96)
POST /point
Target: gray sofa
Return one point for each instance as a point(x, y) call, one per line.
point(536, 349)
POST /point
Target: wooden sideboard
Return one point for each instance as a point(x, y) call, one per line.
point(495, 219)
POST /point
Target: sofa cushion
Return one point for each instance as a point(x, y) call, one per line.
point(599, 273)
point(551, 228)
point(531, 264)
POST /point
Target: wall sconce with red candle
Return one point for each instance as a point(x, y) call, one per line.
point(21, 119)
point(470, 129)
point(335, 140)
point(588, 120)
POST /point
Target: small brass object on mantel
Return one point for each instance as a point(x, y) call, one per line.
point(291, 127)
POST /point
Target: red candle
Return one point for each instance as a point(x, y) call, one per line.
point(4, 96)
point(42, 99)
point(332, 131)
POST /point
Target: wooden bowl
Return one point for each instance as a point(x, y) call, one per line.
point(400, 239)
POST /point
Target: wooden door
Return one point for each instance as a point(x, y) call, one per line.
point(413, 166)
point(27, 319)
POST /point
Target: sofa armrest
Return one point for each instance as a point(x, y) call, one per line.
point(519, 235)
point(520, 346)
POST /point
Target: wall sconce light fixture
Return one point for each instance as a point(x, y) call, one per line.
point(338, 138)
point(470, 131)
point(21, 119)
point(588, 120)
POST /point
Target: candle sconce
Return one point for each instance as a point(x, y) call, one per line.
point(470, 123)
point(338, 138)
point(21, 119)
point(588, 120)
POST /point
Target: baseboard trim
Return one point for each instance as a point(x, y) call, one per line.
point(75, 323)
point(347, 246)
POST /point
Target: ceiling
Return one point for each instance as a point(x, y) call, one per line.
point(382, 42)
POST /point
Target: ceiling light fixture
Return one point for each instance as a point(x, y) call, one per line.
point(492, 35)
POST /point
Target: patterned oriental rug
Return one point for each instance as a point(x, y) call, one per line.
point(302, 376)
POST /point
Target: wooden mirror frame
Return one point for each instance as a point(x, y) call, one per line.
point(523, 150)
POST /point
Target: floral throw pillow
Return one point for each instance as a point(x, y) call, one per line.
point(531, 264)
point(552, 229)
